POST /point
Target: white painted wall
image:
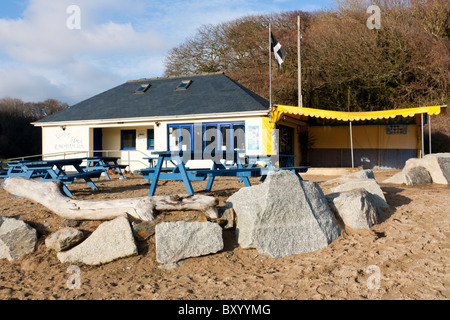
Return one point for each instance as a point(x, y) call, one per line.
point(80, 138)
point(57, 140)
point(133, 158)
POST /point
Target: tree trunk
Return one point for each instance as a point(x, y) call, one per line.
point(50, 195)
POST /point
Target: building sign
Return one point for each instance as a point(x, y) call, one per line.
point(396, 129)
point(253, 137)
point(65, 141)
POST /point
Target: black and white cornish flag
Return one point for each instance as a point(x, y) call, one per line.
point(278, 51)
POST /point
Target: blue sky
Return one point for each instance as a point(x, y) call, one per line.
point(117, 40)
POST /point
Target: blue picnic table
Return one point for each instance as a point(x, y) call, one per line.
point(3, 171)
point(271, 163)
point(52, 170)
point(104, 164)
point(221, 167)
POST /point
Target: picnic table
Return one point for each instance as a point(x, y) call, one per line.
point(270, 164)
point(182, 173)
point(52, 170)
point(3, 171)
point(104, 164)
point(152, 161)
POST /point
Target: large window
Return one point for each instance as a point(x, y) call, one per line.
point(209, 136)
point(181, 137)
point(128, 139)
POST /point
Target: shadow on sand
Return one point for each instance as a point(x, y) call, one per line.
point(394, 200)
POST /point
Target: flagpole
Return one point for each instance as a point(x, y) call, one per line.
point(270, 69)
point(300, 98)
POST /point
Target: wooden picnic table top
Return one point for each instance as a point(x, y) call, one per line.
point(101, 158)
point(180, 152)
point(239, 169)
point(45, 170)
point(104, 164)
point(46, 162)
point(204, 153)
point(180, 172)
point(28, 165)
point(257, 156)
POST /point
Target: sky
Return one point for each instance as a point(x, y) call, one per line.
point(71, 50)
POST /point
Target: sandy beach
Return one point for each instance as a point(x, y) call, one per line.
point(404, 257)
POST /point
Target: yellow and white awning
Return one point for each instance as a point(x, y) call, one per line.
point(279, 110)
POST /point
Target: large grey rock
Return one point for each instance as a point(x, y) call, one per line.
point(17, 238)
point(417, 175)
point(398, 178)
point(437, 164)
point(357, 175)
point(361, 174)
point(64, 239)
point(368, 184)
point(176, 241)
point(443, 160)
point(356, 208)
point(110, 241)
point(283, 216)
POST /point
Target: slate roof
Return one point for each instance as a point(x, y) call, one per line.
point(209, 93)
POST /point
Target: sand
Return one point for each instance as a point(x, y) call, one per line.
point(404, 257)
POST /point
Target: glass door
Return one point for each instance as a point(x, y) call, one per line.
point(225, 137)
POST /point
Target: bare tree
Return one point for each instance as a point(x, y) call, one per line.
point(345, 65)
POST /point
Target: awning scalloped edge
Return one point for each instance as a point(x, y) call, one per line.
point(356, 116)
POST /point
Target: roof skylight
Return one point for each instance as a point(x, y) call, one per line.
point(143, 88)
point(184, 85)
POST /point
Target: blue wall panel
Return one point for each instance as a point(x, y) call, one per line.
point(363, 158)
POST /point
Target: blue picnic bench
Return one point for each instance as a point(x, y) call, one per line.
point(242, 173)
point(271, 164)
point(225, 163)
point(52, 170)
point(181, 173)
point(104, 164)
point(3, 171)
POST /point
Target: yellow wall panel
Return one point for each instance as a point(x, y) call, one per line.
point(364, 137)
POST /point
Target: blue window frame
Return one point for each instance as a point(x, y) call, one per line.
point(211, 135)
point(232, 136)
point(151, 139)
point(181, 137)
point(128, 139)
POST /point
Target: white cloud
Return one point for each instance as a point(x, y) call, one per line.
point(41, 51)
point(119, 40)
point(16, 82)
point(42, 36)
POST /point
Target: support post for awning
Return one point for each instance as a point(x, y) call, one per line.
point(429, 132)
point(421, 141)
point(351, 144)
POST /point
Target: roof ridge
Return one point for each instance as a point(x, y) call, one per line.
point(249, 92)
point(174, 77)
point(215, 93)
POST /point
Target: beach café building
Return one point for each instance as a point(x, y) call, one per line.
point(212, 111)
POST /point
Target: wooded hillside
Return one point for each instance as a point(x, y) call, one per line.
point(18, 137)
point(345, 65)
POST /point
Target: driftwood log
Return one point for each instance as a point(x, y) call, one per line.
point(50, 195)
